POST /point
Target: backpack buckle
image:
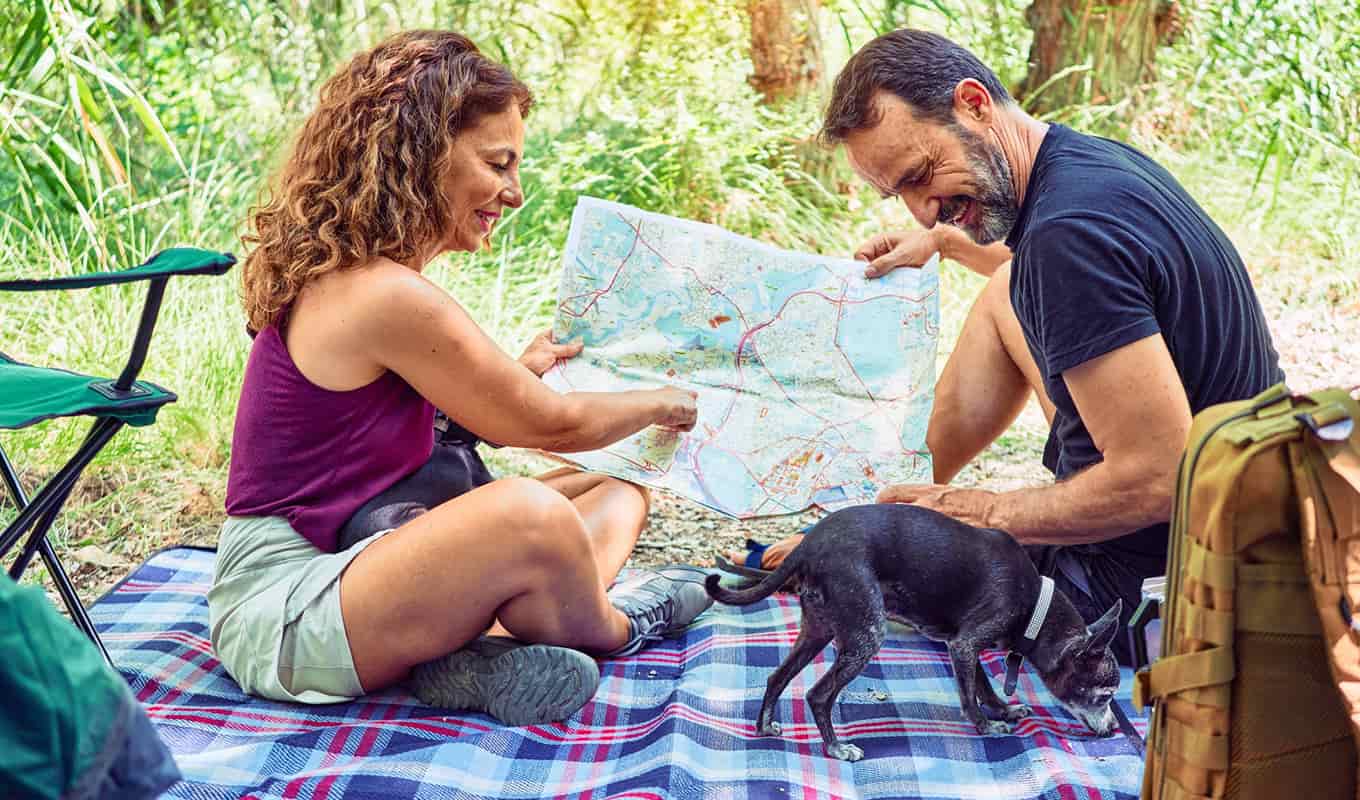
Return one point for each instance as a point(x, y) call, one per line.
point(1142, 689)
point(1329, 422)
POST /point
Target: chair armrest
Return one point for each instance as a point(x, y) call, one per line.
point(174, 261)
point(158, 270)
point(1149, 610)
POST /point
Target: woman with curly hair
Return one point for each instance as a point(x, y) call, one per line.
point(414, 151)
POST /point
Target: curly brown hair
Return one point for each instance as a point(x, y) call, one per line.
point(362, 178)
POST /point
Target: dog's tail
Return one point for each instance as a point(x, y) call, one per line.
point(752, 592)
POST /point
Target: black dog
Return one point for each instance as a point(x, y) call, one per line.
point(454, 467)
point(970, 587)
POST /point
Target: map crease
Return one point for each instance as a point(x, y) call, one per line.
point(814, 383)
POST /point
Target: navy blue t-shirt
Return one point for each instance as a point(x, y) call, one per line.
point(1109, 249)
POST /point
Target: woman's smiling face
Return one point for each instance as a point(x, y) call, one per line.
point(482, 178)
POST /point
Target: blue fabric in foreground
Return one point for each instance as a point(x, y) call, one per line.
point(675, 721)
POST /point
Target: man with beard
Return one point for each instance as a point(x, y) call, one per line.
point(1123, 307)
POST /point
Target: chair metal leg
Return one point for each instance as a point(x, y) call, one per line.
point(58, 486)
point(67, 590)
point(37, 516)
point(37, 534)
point(11, 479)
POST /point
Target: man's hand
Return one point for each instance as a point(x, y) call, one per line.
point(888, 251)
point(973, 506)
point(543, 352)
point(1135, 408)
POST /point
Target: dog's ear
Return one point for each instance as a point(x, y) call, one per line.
point(1101, 632)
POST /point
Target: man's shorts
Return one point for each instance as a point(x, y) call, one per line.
point(274, 613)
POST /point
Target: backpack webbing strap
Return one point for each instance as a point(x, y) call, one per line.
point(1204, 750)
point(1206, 624)
point(1215, 570)
point(1327, 479)
point(1327, 474)
point(1172, 674)
point(1268, 607)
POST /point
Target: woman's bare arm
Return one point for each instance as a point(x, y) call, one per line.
point(418, 331)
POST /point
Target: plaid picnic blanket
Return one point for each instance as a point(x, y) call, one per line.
point(675, 721)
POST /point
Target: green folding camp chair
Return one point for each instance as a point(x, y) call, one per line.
point(31, 394)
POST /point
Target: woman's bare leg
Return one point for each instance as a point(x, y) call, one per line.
point(512, 550)
point(614, 511)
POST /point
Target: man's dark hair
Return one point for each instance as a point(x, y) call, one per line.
point(920, 67)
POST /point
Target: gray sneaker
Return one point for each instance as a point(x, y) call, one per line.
point(658, 603)
point(517, 683)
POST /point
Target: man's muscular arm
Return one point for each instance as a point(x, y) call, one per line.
point(1134, 406)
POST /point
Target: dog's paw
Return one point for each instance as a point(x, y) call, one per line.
point(1017, 712)
point(845, 752)
point(770, 728)
point(993, 727)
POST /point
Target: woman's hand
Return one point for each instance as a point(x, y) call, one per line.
point(543, 352)
point(678, 409)
point(414, 328)
point(887, 251)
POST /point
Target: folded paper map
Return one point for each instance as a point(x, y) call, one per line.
point(814, 384)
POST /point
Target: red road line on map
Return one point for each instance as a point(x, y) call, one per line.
point(637, 237)
point(747, 334)
point(840, 304)
point(698, 278)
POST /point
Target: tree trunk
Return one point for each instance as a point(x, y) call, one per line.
point(786, 50)
point(1118, 38)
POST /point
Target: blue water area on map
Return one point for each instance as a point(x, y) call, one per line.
point(631, 308)
point(869, 334)
point(723, 331)
point(782, 284)
point(716, 467)
point(829, 496)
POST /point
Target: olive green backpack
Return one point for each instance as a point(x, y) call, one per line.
point(1257, 690)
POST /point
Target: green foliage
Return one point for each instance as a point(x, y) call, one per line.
point(1278, 69)
point(1270, 89)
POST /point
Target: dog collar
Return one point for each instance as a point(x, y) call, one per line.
point(1036, 622)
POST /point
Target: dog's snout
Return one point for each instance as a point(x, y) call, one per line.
point(1101, 722)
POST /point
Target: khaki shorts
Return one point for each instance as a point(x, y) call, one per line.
point(274, 613)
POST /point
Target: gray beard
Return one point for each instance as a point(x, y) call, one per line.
point(998, 207)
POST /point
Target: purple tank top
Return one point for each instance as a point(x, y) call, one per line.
point(313, 455)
